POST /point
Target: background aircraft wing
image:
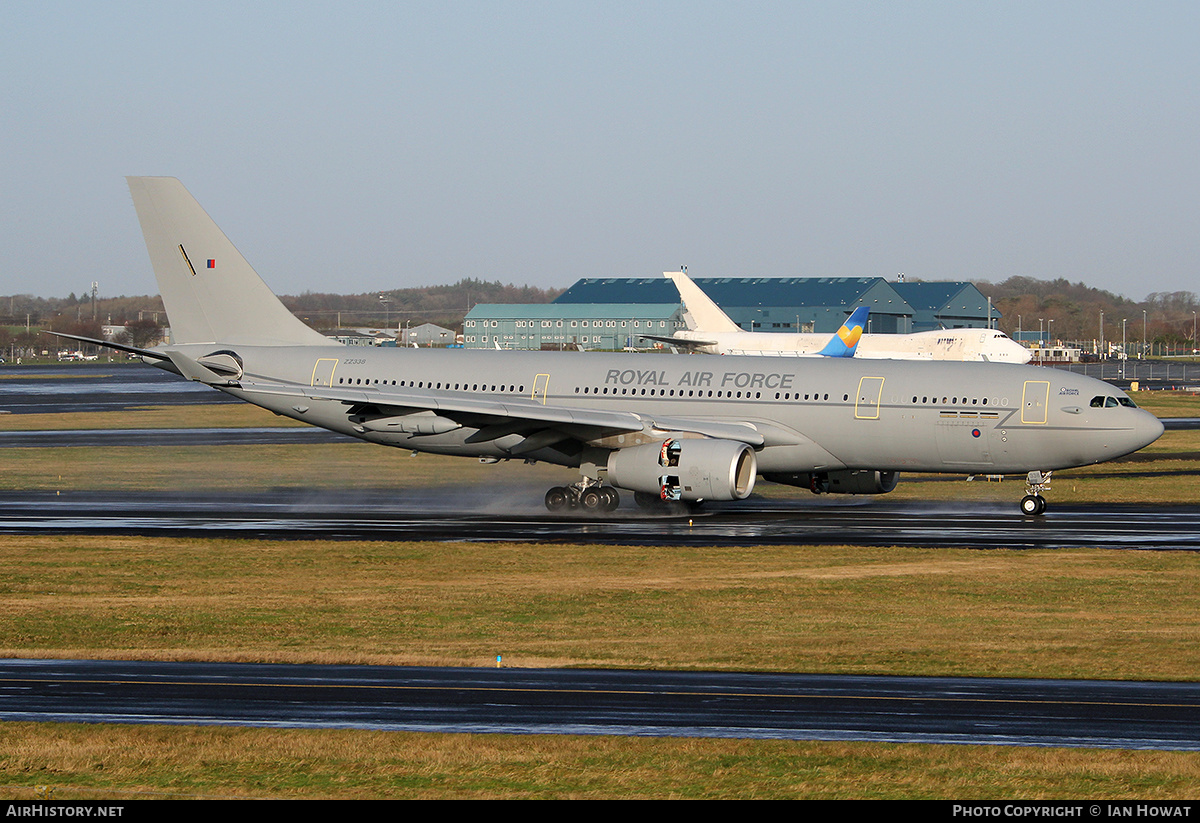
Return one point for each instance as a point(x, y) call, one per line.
point(679, 341)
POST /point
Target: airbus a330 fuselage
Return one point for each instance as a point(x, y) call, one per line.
point(808, 421)
point(665, 427)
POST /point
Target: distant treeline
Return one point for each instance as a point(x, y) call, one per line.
point(443, 305)
point(1026, 303)
point(1076, 311)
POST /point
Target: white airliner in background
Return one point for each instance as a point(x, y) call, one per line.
point(712, 332)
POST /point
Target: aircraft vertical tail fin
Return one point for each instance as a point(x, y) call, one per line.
point(845, 341)
point(706, 315)
point(210, 292)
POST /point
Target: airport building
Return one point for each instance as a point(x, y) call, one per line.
point(607, 326)
point(611, 312)
point(768, 304)
point(427, 335)
point(945, 305)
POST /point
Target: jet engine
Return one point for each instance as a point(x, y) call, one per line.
point(847, 481)
point(686, 469)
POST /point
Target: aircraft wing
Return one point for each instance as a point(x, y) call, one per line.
point(679, 341)
point(541, 424)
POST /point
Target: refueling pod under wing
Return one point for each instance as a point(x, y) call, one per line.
point(848, 481)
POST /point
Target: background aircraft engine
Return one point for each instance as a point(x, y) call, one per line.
point(690, 469)
point(848, 481)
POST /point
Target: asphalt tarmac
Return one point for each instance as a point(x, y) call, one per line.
point(78, 387)
point(486, 514)
point(112, 438)
point(1096, 714)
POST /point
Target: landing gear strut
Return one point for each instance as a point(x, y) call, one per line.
point(591, 498)
point(1035, 483)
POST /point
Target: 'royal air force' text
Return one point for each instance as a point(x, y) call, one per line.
point(700, 379)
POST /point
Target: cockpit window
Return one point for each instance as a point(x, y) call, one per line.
point(1102, 402)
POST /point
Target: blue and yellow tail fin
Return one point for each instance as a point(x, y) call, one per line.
point(845, 341)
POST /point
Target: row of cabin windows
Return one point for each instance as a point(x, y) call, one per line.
point(429, 384)
point(952, 401)
point(945, 401)
point(652, 392)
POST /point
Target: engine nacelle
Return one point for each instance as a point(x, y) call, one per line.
point(690, 469)
point(847, 481)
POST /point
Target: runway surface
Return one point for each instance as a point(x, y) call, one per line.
point(97, 387)
point(1098, 714)
point(110, 438)
point(484, 514)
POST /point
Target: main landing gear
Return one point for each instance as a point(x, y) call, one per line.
point(1035, 483)
point(591, 498)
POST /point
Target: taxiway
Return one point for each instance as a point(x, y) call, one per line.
point(1098, 714)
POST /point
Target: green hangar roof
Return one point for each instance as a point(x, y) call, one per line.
point(726, 291)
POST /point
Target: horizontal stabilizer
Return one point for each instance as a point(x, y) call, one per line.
point(151, 353)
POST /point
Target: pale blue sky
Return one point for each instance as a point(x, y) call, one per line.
point(385, 145)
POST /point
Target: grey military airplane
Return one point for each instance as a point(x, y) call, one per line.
point(661, 426)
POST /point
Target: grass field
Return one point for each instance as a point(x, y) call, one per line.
point(148, 762)
point(1080, 613)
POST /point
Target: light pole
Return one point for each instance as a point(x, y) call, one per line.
point(1050, 331)
point(1124, 356)
point(1041, 335)
point(1143, 351)
point(387, 304)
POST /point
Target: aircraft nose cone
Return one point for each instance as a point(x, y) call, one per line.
point(1148, 429)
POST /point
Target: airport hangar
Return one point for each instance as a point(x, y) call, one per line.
point(611, 312)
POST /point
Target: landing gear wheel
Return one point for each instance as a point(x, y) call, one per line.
point(1033, 504)
point(611, 499)
point(557, 499)
point(593, 500)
